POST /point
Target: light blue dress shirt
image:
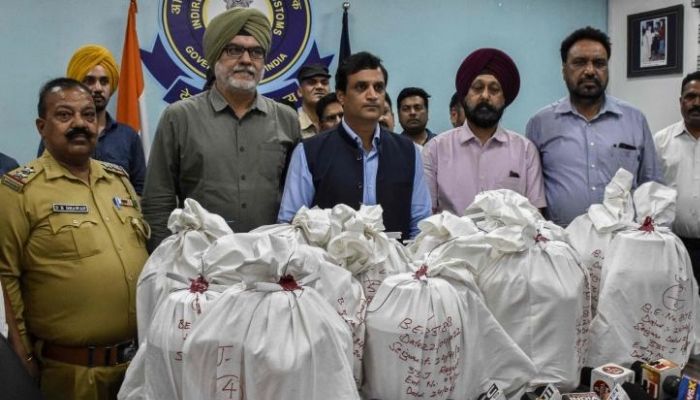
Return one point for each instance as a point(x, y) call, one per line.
point(580, 157)
point(299, 187)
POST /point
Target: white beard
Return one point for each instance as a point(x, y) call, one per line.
point(236, 84)
point(245, 85)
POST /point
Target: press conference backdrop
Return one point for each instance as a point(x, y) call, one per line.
point(422, 43)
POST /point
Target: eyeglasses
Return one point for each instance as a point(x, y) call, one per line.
point(235, 51)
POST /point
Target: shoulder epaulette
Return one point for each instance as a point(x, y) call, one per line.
point(20, 177)
point(114, 168)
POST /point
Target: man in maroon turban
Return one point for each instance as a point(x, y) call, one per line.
point(481, 155)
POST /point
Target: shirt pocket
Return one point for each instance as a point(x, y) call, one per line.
point(73, 236)
point(512, 183)
point(271, 161)
point(624, 158)
point(136, 228)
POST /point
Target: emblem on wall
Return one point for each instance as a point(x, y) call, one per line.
point(177, 61)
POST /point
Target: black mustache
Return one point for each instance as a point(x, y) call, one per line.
point(77, 131)
point(485, 106)
point(695, 108)
point(594, 80)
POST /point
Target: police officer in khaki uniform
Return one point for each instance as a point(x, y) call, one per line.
point(72, 245)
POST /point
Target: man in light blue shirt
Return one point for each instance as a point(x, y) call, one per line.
point(358, 162)
point(584, 138)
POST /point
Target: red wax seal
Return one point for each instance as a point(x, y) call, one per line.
point(199, 285)
point(540, 238)
point(288, 283)
point(648, 225)
point(422, 272)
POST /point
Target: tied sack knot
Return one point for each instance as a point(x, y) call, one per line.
point(199, 285)
point(288, 283)
point(647, 225)
point(422, 273)
point(540, 238)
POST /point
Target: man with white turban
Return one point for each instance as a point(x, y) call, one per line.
point(227, 147)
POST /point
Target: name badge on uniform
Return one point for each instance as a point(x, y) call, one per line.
point(70, 208)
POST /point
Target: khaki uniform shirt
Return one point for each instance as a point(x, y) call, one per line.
point(308, 129)
point(70, 257)
point(233, 167)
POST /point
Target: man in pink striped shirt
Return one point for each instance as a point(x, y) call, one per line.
point(481, 155)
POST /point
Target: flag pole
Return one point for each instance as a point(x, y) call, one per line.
point(344, 50)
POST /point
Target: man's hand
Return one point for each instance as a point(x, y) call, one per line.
point(28, 359)
point(31, 364)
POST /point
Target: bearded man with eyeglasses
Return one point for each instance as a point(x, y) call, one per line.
point(227, 147)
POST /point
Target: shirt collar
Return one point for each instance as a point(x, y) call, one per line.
point(609, 106)
point(54, 169)
point(683, 130)
point(304, 119)
point(357, 138)
point(219, 103)
point(110, 123)
point(466, 134)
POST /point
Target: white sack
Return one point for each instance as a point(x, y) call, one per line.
point(648, 297)
point(156, 371)
point(438, 229)
point(194, 229)
point(590, 234)
point(534, 286)
point(175, 317)
point(362, 247)
point(281, 337)
point(309, 226)
point(427, 339)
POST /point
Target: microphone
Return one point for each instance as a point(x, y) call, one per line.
point(580, 396)
point(550, 393)
point(605, 377)
point(533, 395)
point(584, 382)
point(637, 368)
point(618, 393)
point(493, 393)
point(653, 375)
point(635, 392)
point(681, 388)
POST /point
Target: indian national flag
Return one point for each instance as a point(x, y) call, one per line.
point(131, 107)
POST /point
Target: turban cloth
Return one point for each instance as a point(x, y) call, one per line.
point(225, 26)
point(490, 61)
point(88, 57)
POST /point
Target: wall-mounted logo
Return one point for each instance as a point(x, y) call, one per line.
point(177, 58)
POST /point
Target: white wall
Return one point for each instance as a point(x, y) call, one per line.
point(656, 96)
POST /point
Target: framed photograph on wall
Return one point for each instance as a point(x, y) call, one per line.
point(655, 42)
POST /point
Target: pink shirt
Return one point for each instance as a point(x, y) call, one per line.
point(457, 168)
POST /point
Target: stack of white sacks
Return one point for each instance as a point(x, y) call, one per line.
point(527, 275)
point(330, 307)
point(648, 297)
